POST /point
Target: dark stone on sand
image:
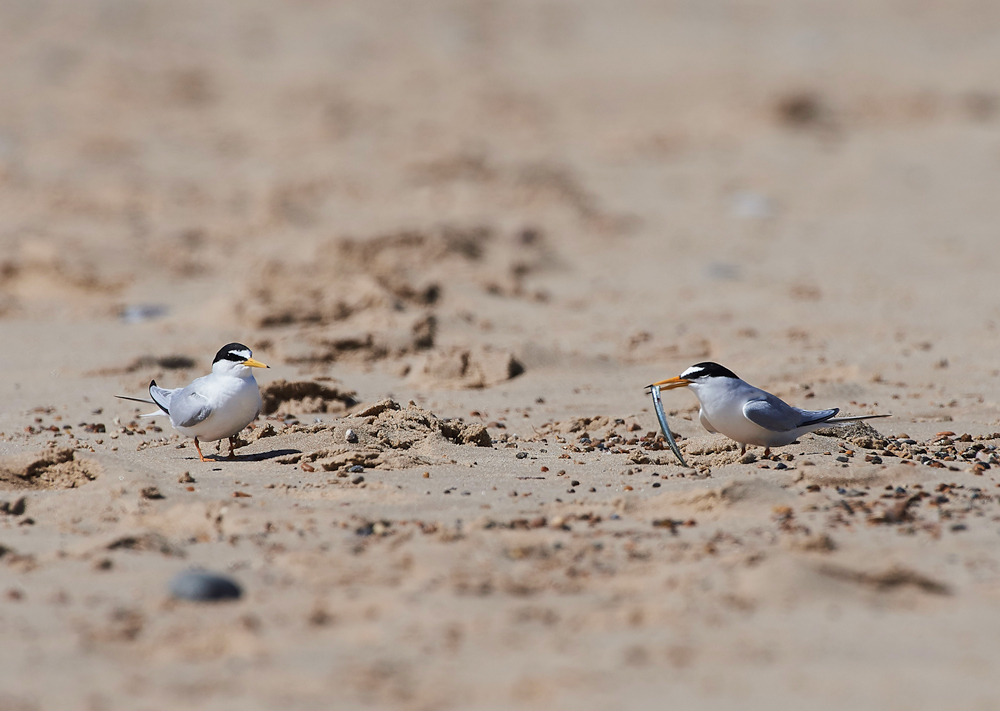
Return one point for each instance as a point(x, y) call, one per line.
point(202, 586)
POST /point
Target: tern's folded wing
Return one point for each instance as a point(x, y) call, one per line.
point(188, 407)
point(777, 416)
point(160, 396)
point(815, 417)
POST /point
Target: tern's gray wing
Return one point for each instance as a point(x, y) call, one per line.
point(815, 417)
point(161, 396)
point(186, 406)
point(778, 416)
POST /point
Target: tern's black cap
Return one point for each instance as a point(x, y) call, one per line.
point(235, 352)
point(708, 370)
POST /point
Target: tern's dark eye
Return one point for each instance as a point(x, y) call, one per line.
point(235, 352)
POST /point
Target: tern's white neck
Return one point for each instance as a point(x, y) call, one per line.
point(714, 389)
point(231, 369)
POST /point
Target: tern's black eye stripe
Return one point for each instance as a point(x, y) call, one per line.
point(708, 369)
point(235, 352)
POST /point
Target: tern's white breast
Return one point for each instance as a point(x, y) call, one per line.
point(235, 402)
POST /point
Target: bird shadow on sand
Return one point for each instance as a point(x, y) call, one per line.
point(256, 457)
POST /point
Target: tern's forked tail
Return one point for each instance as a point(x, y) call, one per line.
point(853, 418)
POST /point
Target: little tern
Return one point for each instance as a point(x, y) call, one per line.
point(747, 414)
point(216, 406)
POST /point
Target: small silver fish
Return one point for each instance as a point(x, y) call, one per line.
point(654, 390)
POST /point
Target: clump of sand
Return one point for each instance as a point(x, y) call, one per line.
point(384, 436)
point(56, 468)
point(390, 272)
point(479, 367)
point(284, 397)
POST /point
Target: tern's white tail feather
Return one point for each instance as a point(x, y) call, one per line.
point(158, 413)
point(136, 399)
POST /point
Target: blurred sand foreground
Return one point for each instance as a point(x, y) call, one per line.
point(506, 218)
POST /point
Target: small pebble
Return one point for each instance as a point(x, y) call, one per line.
point(358, 479)
point(351, 436)
point(14, 509)
point(201, 586)
point(356, 469)
point(521, 455)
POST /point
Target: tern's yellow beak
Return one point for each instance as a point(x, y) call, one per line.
point(251, 363)
point(671, 383)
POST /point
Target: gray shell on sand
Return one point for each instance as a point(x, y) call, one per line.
point(200, 585)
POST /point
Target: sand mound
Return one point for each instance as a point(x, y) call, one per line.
point(388, 334)
point(284, 397)
point(395, 271)
point(479, 367)
point(368, 300)
point(859, 433)
point(149, 541)
point(384, 436)
point(149, 363)
point(792, 580)
point(49, 469)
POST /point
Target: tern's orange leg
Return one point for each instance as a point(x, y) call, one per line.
point(743, 450)
point(232, 447)
point(200, 455)
point(767, 452)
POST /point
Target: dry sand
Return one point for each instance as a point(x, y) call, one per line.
point(471, 232)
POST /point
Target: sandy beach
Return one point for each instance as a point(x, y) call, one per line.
point(465, 236)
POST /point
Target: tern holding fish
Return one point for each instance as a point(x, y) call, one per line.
point(746, 414)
